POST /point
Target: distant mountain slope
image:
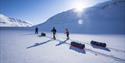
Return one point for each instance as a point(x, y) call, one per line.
point(12, 22)
point(103, 18)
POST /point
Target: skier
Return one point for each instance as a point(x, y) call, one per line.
point(54, 33)
point(36, 30)
point(67, 33)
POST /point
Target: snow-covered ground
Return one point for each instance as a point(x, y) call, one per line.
point(21, 46)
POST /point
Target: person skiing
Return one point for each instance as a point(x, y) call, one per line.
point(54, 33)
point(67, 33)
point(36, 30)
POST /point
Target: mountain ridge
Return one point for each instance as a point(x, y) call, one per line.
point(6, 21)
point(96, 19)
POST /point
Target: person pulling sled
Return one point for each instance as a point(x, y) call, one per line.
point(54, 33)
point(36, 30)
point(67, 33)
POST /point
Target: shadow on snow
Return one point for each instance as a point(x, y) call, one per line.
point(38, 44)
point(102, 48)
point(78, 50)
point(62, 42)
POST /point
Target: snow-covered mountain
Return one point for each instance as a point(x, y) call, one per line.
point(103, 18)
point(12, 22)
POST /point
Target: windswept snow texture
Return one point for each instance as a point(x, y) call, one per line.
point(11, 22)
point(21, 46)
point(104, 18)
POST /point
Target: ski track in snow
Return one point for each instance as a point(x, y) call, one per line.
point(95, 52)
point(86, 49)
point(117, 50)
point(110, 56)
point(99, 53)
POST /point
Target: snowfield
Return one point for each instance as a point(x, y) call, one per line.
point(23, 46)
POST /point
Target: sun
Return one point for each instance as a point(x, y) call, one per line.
point(78, 7)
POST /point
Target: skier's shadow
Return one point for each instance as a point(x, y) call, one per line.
point(62, 42)
point(38, 44)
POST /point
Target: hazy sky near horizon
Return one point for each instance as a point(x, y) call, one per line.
point(38, 11)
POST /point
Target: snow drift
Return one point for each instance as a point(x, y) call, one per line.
point(104, 18)
point(12, 22)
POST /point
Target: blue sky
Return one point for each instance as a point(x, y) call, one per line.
point(38, 11)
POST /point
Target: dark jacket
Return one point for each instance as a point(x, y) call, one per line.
point(53, 30)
